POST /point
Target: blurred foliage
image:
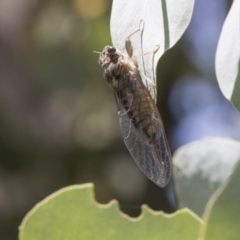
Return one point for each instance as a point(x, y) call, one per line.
point(204, 165)
point(58, 118)
point(222, 213)
point(76, 211)
point(80, 217)
point(59, 123)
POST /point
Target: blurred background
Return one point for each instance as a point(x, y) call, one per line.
point(58, 118)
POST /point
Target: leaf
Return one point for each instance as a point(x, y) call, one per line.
point(222, 214)
point(228, 55)
point(164, 22)
point(201, 167)
point(72, 213)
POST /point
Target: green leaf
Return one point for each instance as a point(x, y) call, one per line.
point(201, 167)
point(222, 214)
point(72, 213)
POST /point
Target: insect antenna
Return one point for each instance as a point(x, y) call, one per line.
point(97, 52)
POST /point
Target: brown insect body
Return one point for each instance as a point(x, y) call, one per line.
point(140, 120)
point(124, 78)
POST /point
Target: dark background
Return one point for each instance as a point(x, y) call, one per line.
point(58, 119)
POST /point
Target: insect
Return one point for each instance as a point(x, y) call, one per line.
point(140, 121)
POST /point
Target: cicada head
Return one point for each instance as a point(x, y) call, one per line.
point(109, 59)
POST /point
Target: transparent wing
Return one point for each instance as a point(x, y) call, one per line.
point(151, 86)
point(154, 160)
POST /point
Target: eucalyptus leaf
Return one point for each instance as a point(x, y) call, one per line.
point(72, 213)
point(222, 215)
point(201, 167)
point(163, 23)
point(228, 55)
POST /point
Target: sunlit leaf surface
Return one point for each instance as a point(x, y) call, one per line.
point(164, 22)
point(72, 213)
point(227, 56)
point(201, 167)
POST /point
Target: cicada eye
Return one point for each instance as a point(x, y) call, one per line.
point(111, 50)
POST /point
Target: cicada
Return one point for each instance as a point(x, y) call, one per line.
point(140, 121)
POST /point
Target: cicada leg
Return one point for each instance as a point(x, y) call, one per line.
point(128, 43)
